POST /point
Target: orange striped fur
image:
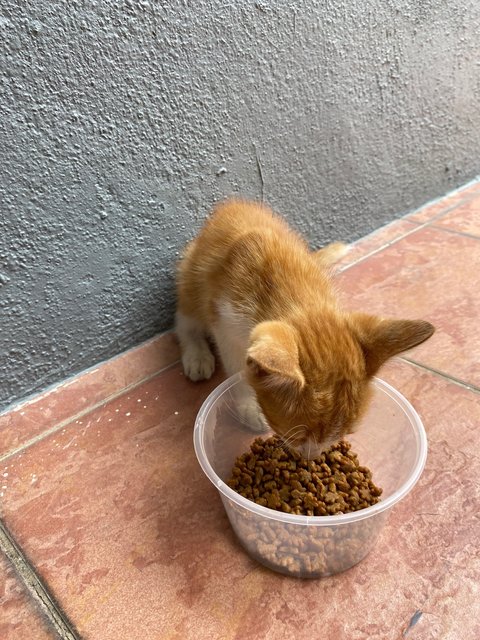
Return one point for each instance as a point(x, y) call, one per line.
point(252, 285)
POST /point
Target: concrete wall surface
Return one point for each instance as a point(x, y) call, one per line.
point(123, 121)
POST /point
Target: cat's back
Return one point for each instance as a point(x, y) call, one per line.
point(234, 225)
point(239, 244)
point(234, 218)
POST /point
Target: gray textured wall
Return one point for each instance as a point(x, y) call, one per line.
point(123, 121)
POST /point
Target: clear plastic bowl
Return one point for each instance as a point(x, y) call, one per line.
point(391, 441)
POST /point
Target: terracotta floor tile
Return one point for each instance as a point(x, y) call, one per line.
point(19, 619)
point(430, 274)
point(464, 218)
point(48, 409)
point(115, 501)
point(131, 537)
point(376, 240)
point(427, 213)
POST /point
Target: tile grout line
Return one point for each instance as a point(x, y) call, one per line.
point(407, 216)
point(35, 587)
point(449, 194)
point(445, 211)
point(84, 412)
point(440, 374)
point(51, 388)
point(465, 234)
point(418, 226)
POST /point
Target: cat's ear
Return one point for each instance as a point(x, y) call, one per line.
point(382, 339)
point(272, 357)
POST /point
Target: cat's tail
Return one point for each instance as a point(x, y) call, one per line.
point(332, 253)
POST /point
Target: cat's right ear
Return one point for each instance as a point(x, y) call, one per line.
point(383, 338)
point(272, 358)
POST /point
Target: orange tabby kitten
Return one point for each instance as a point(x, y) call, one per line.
point(252, 284)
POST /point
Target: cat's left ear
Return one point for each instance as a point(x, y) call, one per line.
point(382, 339)
point(272, 358)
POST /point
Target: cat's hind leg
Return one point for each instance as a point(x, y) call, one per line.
point(197, 358)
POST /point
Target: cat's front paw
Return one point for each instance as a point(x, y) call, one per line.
point(198, 363)
point(251, 416)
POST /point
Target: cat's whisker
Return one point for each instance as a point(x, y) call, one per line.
point(293, 431)
point(286, 441)
point(297, 426)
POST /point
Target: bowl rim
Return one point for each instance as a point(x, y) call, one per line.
point(329, 520)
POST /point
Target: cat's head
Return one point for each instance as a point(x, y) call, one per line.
point(312, 379)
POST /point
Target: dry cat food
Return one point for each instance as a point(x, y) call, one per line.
point(308, 551)
point(333, 483)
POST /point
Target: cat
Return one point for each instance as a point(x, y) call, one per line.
point(251, 284)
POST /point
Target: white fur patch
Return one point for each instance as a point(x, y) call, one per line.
point(198, 362)
point(197, 359)
point(231, 333)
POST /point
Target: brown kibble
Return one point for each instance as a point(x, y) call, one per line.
point(321, 490)
point(374, 490)
point(366, 472)
point(342, 485)
point(270, 485)
point(331, 484)
point(334, 456)
point(297, 494)
point(297, 485)
point(245, 478)
point(273, 500)
point(304, 476)
point(354, 478)
point(321, 510)
point(257, 446)
point(309, 501)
